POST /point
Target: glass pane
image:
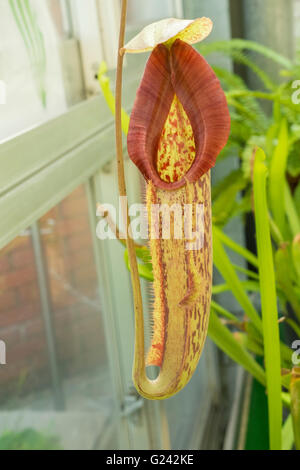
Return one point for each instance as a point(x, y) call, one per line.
point(296, 20)
point(50, 52)
point(30, 66)
point(26, 381)
point(37, 58)
point(21, 326)
point(187, 412)
point(151, 11)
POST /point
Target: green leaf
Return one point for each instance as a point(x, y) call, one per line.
point(247, 154)
point(226, 199)
point(277, 177)
point(285, 273)
point(297, 198)
point(283, 265)
point(295, 404)
point(223, 312)
point(242, 109)
point(296, 256)
point(275, 232)
point(33, 39)
point(109, 96)
point(235, 48)
point(145, 270)
point(293, 163)
point(270, 139)
point(231, 81)
point(226, 341)
point(247, 272)
point(268, 301)
point(293, 325)
point(28, 439)
point(291, 211)
point(224, 266)
point(218, 188)
point(243, 44)
point(240, 250)
point(287, 434)
point(250, 344)
point(250, 286)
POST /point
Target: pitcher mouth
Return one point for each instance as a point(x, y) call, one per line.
point(180, 74)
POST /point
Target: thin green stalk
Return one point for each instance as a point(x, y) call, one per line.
point(135, 280)
point(268, 301)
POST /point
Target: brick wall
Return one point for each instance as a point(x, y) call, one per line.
point(79, 333)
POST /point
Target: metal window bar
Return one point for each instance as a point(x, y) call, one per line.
point(43, 284)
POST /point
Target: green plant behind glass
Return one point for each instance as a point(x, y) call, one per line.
point(27, 23)
point(28, 439)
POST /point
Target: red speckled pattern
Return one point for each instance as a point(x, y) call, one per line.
point(176, 147)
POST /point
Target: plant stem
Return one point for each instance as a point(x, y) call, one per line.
point(135, 280)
